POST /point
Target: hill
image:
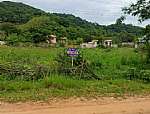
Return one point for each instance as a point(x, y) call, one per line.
point(27, 18)
point(129, 28)
point(17, 12)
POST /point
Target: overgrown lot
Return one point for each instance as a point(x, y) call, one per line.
point(32, 74)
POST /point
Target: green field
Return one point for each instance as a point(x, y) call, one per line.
point(114, 67)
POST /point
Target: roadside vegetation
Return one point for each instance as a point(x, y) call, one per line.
point(32, 74)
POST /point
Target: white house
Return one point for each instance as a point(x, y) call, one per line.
point(92, 44)
point(107, 43)
point(2, 43)
point(142, 40)
point(128, 44)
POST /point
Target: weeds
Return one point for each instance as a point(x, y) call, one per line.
point(78, 68)
point(19, 71)
point(34, 73)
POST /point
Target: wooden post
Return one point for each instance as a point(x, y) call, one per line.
point(72, 61)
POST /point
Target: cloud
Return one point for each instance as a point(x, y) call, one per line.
point(100, 11)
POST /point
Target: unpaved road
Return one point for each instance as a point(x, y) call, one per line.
point(102, 106)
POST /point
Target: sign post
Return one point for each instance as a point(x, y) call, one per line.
point(72, 61)
point(72, 52)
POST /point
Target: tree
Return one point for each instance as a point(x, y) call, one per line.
point(38, 27)
point(120, 20)
point(87, 39)
point(8, 28)
point(147, 32)
point(140, 9)
point(79, 41)
point(126, 37)
point(17, 12)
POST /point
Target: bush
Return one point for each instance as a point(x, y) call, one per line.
point(80, 68)
point(145, 75)
point(14, 39)
point(12, 71)
point(136, 74)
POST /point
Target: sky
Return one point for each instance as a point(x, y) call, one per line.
point(103, 12)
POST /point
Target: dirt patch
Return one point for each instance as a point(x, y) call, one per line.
point(81, 106)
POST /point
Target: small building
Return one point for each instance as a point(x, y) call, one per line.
point(143, 40)
point(107, 43)
point(2, 43)
point(115, 45)
point(52, 40)
point(95, 43)
point(128, 44)
point(92, 44)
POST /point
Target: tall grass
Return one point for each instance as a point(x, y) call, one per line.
point(41, 61)
point(32, 74)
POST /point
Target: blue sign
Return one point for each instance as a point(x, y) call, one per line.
point(72, 52)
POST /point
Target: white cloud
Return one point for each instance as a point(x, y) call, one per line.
point(100, 11)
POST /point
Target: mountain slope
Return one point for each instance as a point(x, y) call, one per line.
point(17, 12)
point(60, 24)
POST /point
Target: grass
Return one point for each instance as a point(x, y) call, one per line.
point(62, 87)
point(111, 65)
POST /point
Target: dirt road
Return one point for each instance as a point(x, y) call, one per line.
point(102, 106)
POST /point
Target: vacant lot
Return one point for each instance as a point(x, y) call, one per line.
point(31, 74)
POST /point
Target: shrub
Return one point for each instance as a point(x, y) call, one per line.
point(145, 75)
point(80, 68)
point(137, 74)
point(15, 70)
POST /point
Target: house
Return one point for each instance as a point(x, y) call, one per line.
point(107, 43)
point(143, 40)
point(52, 40)
point(92, 44)
point(128, 44)
point(2, 43)
point(95, 43)
point(115, 45)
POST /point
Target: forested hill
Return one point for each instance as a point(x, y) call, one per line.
point(21, 13)
point(17, 12)
point(34, 24)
